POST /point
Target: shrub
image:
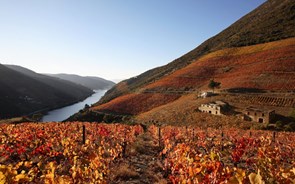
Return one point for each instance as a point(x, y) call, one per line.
point(279, 124)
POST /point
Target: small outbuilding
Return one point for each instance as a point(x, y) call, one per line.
point(205, 94)
point(259, 115)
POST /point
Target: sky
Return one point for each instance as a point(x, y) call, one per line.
point(113, 39)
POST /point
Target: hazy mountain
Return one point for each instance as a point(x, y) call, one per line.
point(256, 53)
point(24, 91)
point(95, 83)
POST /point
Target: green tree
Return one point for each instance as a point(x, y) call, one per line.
point(86, 106)
point(213, 84)
point(292, 115)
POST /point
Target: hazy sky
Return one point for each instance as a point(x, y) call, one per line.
point(114, 39)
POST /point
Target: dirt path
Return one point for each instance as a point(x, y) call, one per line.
point(141, 164)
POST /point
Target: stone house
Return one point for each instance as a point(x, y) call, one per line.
point(215, 108)
point(259, 115)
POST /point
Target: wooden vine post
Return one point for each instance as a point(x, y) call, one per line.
point(222, 140)
point(83, 134)
point(124, 149)
point(159, 132)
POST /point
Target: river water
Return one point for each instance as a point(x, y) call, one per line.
point(65, 112)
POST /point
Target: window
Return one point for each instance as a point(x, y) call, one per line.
point(262, 114)
point(210, 112)
point(255, 114)
point(248, 113)
point(260, 120)
point(216, 112)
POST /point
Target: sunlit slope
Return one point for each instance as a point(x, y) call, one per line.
point(133, 104)
point(183, 112)
point(272, 21)
point(269, 66)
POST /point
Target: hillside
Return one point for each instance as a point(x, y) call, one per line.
point(273, 20)
point(26, 92)
point(268, 66)
point(255, 54)
point(64, 86)
point(94, 83)
point(263, 67)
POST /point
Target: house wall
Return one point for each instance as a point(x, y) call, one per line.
point(260, 117)
point(210, 109)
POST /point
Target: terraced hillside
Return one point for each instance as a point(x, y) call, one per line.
point(255, 54)
point(265, 67)
point(273, 20)
point(136, 103)
point(266, 100)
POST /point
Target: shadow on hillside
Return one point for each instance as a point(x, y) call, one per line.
point(284, 119)
point(245, 90)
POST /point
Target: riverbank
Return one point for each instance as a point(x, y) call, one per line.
point(60, 114)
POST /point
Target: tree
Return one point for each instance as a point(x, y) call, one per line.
point(213, 84)
point(292, 115)
point(86, 106)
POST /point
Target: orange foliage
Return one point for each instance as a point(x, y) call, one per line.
point(266, 66)
point(54, 152)
point(250, 49)
point(193, 155)
point(136, 103)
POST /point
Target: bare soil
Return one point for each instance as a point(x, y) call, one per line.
point(141, 164)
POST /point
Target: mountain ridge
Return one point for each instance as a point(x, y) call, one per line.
point(253, 65)
point(251, 26)
point(91, 82)
point(28, 92)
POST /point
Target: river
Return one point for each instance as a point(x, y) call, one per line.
point(65, 112)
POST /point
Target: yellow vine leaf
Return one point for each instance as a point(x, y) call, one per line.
point(256, 178)
point(190, 171)
point(2, 178)
point(98, 175)
point(240, 175)
point(197, 170)
point(28, 164)
point(233, 180)
point(21, 177)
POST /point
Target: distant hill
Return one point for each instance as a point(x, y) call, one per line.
point(94, 83)
point(24, 91)
point(256, 53)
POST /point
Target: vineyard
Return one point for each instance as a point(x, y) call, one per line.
point(251, 67)
point(227, 156)
point(76, 152)
point(136, 103)
point(57, 153)
point(265, 100)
